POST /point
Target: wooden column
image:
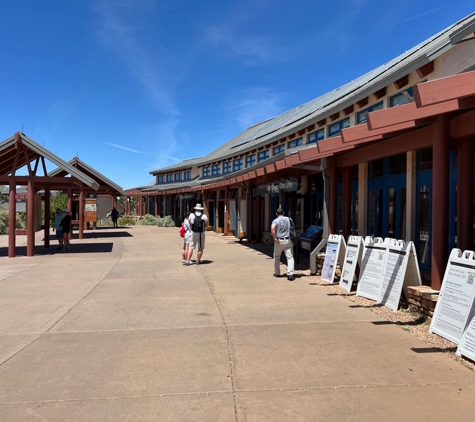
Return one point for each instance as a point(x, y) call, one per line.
point(11, 219)
point(249, 231)
point(258, 217)
point(440, 203)
point(226, 213)
point(30, 219)
point(70, 208)
point(155, 202)
point(465, 195)
point(81, 213)
point(346, 209)
point(332, 206)
point(47, 213)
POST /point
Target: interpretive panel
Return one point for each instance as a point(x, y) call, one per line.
point(354, 252)
point(399, 254)
point(456, 297)
point(335, 253)
point(467, 343)
point(372, 268)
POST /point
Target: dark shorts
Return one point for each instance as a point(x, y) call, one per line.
point(66, 230)
point(59, 234)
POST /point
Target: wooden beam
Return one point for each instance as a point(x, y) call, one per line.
point(425, 70)
point(445, 89)
point(380, 93)
point(463, 125)
point(362, 103)
point(401, 82)
point(416, 139)
point(407, 112)
point(355, 133)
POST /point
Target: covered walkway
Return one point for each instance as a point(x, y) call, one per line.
point(119, 330)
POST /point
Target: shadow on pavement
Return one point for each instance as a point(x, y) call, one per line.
point(76, 248)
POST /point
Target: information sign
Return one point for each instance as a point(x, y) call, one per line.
point(354, 252)
point(467, 343)
point(396, 275)
point(456, 298)
point(90, 210)
point(336, 249)
point(372, 268)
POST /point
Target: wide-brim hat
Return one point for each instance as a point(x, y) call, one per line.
point(198, 207)
point(66, 210)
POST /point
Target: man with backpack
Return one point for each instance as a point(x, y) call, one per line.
point(280, 229)
point(199, 222)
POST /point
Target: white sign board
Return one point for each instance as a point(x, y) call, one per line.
point(336, 249)
point(395, 275)
point(456, 297)
point(372, 268)
point(354, 252)
point(467, 343)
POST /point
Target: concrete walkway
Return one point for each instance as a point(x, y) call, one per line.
point(119, 330)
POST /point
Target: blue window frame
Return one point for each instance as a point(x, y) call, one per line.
point(216, 169)
point(206, 171)
point(161, 179)
point(278, 149)
point(250, 160)
point(187, 175)
point(403, 97)
point(316, 136)
point(295, 142)
point(263, 155)
point(335, 128)
point(169, 177)
point(177, 177)
point(227, 167)
point(237, 164)
point(361, 116)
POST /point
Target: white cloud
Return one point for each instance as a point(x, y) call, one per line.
point(254, 105)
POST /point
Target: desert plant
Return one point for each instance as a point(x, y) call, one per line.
point(148, 220)
point(126, 221)
point(166, 221)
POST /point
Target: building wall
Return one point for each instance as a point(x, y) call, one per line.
point(458, 59)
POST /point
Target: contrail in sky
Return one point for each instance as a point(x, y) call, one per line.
point(127, 149)
point(420, 15)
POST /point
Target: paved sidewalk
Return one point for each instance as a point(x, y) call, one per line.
point(119, 330)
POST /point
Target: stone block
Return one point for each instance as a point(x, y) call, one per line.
point(416, 290)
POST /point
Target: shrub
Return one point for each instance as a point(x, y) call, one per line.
point(20, 221)
point(166, 221)
point(126, 221)
point(149, 220)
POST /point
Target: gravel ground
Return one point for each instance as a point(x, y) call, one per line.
point(412, 322)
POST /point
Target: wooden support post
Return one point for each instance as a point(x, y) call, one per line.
point(440, 204)
point(47, 214)
point(332, 207)
point(346, 209)
point(226, 212)
point(70, 208)
point(11, 219)
point(30, 219)
point(465, 195)
point(258, 217)
point(81, 213)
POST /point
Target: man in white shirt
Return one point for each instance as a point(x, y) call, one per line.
point(199, 223)
point(280, 229)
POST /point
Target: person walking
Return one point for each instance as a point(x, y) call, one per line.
point(187, 238)
point(66, 227)
point(199, 223)
point(57, 226)
point(114, 215)
point(280, 229)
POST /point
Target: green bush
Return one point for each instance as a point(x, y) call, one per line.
point(20, 221)
point(166, 221)
point(126, 221)
point(148, 220)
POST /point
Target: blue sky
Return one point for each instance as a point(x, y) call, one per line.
point(131, 86)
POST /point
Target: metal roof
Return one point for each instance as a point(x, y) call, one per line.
point(7, 152)
point(342, 97)
point(81, 165)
